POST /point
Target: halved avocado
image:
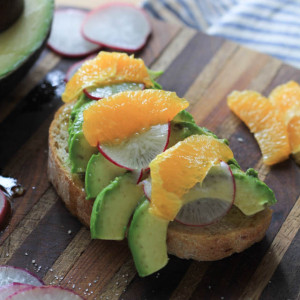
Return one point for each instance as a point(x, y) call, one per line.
point(22, 43)
point(10, 11)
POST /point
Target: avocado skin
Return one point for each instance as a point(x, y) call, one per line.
point(10, 11)
point(147, 240)
point(248, 186)
point(113, 208)
point(8, 81)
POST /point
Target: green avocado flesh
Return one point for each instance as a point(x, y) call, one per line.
point(251, 195)
point(26, 35)
point(113, 208)
point(80, 150)
point(147, 237)
point(99, 173)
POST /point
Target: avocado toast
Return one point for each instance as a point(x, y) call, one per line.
point(233, 233)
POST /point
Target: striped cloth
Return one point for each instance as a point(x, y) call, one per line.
point(268, 26)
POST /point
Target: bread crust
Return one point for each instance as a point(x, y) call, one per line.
point(233, 233)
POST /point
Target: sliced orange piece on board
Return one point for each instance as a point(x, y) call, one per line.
point(116, 118)
point(175, 171)
point(294, 135)
point(286, 97)
point(267, 124)
point(106, 68)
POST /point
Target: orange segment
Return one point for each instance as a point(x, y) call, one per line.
point(106, 68)
point(175, 171)
point(286, 97)
point(264, 121)
point(116, 118)
point(294, 135)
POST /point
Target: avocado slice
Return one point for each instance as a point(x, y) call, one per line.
point(147, 238)
point(80, 150)
point(252, 195)
point(113, 208)
point(21, 43)
point(99, 173)
point(182, 129)
point(184, 116)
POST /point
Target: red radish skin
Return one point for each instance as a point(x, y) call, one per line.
point(4, 210)
point(147, 188)
point(74, 68)
point(139, 175)
point(108, 157)
point(87, 35)
point(68, 41)
point(90, 96)
point(45, 293)
point(10, 289)
point(10, 274)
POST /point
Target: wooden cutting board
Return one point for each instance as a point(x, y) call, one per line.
point(44, 238)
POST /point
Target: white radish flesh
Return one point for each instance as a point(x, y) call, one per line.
point(9, 274)
point(44, 293)
point(139, 150)
point(106, 91)
point(210, 201)
point(117, 25)
point(65, 38)
point(7, 290)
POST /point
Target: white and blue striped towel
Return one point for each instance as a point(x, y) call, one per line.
point(268, 26)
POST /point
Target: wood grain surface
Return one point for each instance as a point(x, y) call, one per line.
point(44, 238)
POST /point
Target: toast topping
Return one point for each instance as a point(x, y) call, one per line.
point(120, 116)
point(175, 171)
point(107, 68)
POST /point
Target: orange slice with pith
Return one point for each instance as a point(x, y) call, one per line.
point(175, 171)
point(106, 68)
point(116, 118)
point(286, 98)
point(267, 124)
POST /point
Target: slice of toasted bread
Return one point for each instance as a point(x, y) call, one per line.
point(234, 233)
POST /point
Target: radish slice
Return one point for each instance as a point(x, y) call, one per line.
point(106, 91)
point(65, 38)
point(4, 210)
point(147, 188)
point(138, 174)
point(9, 274)
point(212, 200)
point(138, 151)
point(208, 202)
point(74, 68)
point(45, 293)
point(117, 25)
point(10, 289)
